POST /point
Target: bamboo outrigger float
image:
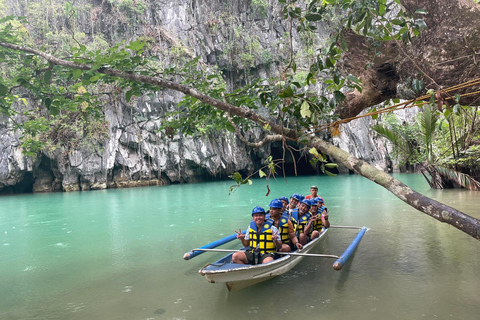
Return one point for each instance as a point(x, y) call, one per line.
point(238, 276)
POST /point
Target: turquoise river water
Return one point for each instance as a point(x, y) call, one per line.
point(117, 254)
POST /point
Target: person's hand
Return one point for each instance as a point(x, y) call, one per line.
point(240, 235)
point(299, 246)
point(274, 237)
point(325, 214)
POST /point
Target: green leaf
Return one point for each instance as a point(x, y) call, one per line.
point(128, 95)
point(421, 11)
point(331, 165)
point(353, 79)
point(313, 151)
point(457, 98)
point(261, 174)
point(286, 93)
point(420, 24)
point(3, 90)
point(48, 102)
point(313, 17)
point(76, 73)
point(417, 85)
point(328, 173)
point(47, 76)
point(305, 110)
point(398, 22)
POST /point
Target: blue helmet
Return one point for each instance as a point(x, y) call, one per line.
point(276, 203)
point(301, 197)
point(283, 198)
point(307, 202)
point(320, 200)
point(258, 209)
point(295, 196)
point(314, 202)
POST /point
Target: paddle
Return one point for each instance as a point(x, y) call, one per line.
point(196, 252)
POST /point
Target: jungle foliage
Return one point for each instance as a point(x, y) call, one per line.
point(76, 83)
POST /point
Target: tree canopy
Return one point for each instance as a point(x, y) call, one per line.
point(356, 68)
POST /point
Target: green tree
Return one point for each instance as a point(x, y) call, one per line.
point(207, 101)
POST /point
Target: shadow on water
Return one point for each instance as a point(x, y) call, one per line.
point(345, 272)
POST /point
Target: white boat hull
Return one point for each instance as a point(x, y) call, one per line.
point(238, 276)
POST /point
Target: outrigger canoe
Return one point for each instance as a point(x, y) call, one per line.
point(238, 276)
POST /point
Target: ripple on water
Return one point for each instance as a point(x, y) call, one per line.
point(127, 289)
point(75, 307)
point(29, 268)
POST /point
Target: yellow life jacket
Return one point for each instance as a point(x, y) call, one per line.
point(302, 223)
point(294, 218)
point(263, 238)
point(283, 229)
point(317, 225)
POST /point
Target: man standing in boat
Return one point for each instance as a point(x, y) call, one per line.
point(262, 237)
point(313, 193)
point(285, 227)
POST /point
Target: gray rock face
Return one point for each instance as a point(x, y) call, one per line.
point(136, 153)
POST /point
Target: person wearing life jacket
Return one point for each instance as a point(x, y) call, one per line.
point(262, 238)
point(294, 200)
point(285, 204)
point(321, 205)
point(285, 227)
point(303, 221)
point(317, 220)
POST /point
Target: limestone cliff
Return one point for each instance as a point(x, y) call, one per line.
point(243, 38)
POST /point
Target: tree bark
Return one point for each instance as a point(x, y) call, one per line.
point(435, 209)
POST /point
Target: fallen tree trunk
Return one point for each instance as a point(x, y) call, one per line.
point(435, 209)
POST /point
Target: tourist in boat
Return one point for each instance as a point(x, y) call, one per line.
point(321, 205)
point(294, 200)
point(303, 221)
point(317, 221)
point(285, 204)
point(292, 209)
point(262, 237)
point(285, 227)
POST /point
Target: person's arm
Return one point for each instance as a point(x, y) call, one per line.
point(293, 237)
point(325, 221)
point(310, 224)
point(244, 238)
point(277, 240)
